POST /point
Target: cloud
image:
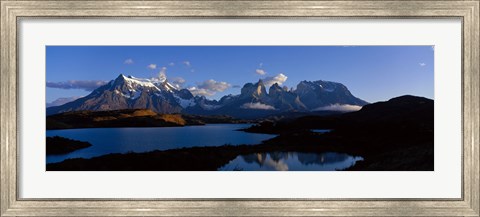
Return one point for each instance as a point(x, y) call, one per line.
point(200, 91)
point(128, 61)
point(162, 75)
point(260, 65)
point(209, 87)
point(187, 63)
point(216, 86)
point(193, 70)
point(422, 64)
point(171, 64)
point(236, 86)
point(340, 108)
point(63, 100)
point(76, 84)
point(178, 81)
point(260, 71)
point(257, 105)
point(152, 66)
point(279, 79)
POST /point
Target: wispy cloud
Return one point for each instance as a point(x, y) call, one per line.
point(187, 63)
point(260, 71)
point(162, 75)
point(128, 61)
point(236, 86)
point(178, 82)
point(340, 108)
point(209, 87)
point(76, 84)
point(171, 64)
point(422, 64)
point(257, 105)
point(279, 79)
point(152, 66)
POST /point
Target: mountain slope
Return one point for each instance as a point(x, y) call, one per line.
point(130, 93)
point(317, 94)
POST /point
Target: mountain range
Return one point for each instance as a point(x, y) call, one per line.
point(128, 92)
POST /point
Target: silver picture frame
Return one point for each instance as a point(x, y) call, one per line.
point(12, 11)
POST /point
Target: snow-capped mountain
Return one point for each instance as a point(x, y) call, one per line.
point(157, 94)
point(317, 94)
point(127, 92)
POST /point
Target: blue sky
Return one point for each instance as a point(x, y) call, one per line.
point(372, 73)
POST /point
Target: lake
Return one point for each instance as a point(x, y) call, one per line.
point(291, 161)
point(143, 139)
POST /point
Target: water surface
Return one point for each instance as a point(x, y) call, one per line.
point(143, 139)
point(291, 161)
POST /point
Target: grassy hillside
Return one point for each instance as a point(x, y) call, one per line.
point(128, 118)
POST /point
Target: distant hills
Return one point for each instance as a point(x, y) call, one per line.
point(160, 96)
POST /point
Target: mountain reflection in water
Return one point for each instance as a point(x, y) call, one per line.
point(291, 161)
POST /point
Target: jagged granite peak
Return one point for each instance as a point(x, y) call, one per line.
point(283, 99)
point(256, 90)
point(275, 89)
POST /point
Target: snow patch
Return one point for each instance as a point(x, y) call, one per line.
point(138, 81)
point(136, 94)
point(185, 103)
point(134, 83)
point(328, 90)
point(122, 94)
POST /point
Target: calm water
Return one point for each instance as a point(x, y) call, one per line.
point(121, 140)
point(291, 161)
point(320, 131)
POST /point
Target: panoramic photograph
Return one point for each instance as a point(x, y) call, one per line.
point(239, 108)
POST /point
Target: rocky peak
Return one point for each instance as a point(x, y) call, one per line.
point(275, 89)
point(256, 90)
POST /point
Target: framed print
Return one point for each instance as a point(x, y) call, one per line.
point(239, 108)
